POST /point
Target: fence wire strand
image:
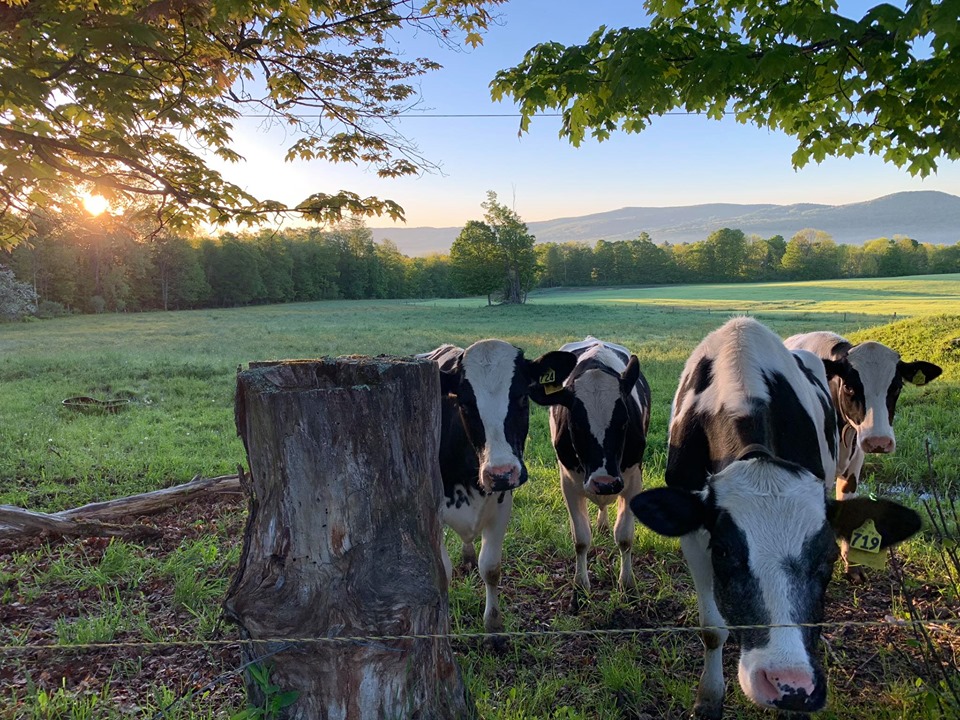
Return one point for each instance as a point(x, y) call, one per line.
point(452, 636)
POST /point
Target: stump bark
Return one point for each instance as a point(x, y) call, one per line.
point(343, 538)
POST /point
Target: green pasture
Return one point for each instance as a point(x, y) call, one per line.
point(177, 370)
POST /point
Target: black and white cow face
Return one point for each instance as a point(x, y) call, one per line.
point(493, 383)
point(601, 403)
point(770, 572)
point(866, 384)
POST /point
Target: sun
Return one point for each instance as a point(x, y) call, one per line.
point(94, 204)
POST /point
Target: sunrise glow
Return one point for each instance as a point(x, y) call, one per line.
point(95, 204)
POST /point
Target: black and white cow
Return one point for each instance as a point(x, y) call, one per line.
point(753, 442)
point(865, 383)
point(598, 425)
point(485, 418)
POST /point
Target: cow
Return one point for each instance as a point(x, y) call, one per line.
point(752, 446)
point(865, 383)
point(598, 425)
point(484, 421)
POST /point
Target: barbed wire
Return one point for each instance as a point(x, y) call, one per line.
point(507, 634)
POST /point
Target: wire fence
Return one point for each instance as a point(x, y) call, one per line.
point(464, 636)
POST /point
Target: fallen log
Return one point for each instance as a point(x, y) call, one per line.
point(90, 520)
point(17, 522)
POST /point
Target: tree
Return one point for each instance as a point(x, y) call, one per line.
point(811, 255)
point(475, 261)
point(494, 255)
point(17, 299)
point(516, 249)
point(118, 96)
point(178, 275)
point(882, 84)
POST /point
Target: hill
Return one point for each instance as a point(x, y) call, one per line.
point(927, 216)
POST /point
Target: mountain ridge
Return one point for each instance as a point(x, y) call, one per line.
point(925, 215)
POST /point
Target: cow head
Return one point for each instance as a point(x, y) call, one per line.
point(601, 403)
point(866, 382)
point(772, 545)
point(492, 382)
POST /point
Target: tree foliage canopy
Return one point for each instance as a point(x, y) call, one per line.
point(129, 97)
point(884, 84)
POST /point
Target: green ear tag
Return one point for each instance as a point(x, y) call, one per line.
point(552, 388)
point(865, 547)
point(919, 378)
point(548, 378)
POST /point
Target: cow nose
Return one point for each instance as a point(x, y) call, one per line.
point(605, 484)
point(878, 444)
point(500, 477)
point(793, 689)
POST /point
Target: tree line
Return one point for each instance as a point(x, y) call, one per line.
point(106, 266)
point(90, 267)
point(730, 255)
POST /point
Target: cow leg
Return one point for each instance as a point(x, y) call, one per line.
point(623, 530)
point(709, 702)
point(491, 553)
point(846, 489)
point(576, 501)
point(447, 564)
point(603, 520)
point(468, 556)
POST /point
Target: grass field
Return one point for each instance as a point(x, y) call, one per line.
point(177, 370)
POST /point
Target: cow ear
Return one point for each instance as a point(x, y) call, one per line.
point(450, 379)
point(669, 511)
point(835, 368)
point(630, 375)
point(894, 522)
point(918, 372)
point(546, 375)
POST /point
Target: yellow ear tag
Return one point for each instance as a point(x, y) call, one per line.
point(548, 378)
point(865, 547)
point(919, 378)
point(552, 388)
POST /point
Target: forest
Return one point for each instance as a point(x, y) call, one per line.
point(107, 266)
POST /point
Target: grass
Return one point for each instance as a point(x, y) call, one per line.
point(178, 371)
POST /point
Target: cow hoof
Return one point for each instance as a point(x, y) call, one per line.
point(856, 575)
point(498, 644)
point(708, 705)
point(578, 599)
point(708, 711)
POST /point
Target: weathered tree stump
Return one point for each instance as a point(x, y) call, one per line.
point(343, 538)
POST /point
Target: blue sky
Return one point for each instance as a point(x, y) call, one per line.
point(679, 160)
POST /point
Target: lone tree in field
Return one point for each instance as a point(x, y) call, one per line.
point(494, 256)
point(884, 84)
point(126, 98)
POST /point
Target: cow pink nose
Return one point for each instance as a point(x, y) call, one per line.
point(605, 485)
point(790, 688)
point(878, 444)
point(499, 477)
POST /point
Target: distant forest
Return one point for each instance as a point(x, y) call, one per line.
point(116, 270)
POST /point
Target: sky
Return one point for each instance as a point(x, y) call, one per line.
point(678, 160)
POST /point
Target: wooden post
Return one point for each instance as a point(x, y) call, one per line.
point(343, 538)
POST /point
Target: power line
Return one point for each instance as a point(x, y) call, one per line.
point(405, 116)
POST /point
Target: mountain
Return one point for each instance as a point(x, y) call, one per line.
point(925, 215)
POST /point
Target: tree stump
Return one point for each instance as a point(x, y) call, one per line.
point(343, 538)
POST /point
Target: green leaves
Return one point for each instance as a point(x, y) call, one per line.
point(129, 96)
point(840, 86)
